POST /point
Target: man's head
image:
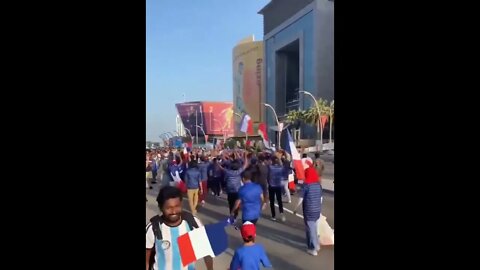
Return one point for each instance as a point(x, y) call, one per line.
point(246, 175)
point(235, 165)
point(275, 160)
point(248, 232)
point(169, 201)
point(193, 164)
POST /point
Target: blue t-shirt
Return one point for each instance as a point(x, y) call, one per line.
point(193, 178)
point(275, 175)
point(203, 167)
point(249, 195)
point(249, 258)
point(233, 180)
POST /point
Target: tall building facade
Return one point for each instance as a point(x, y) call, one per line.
point(248, 82)
point(299, 55)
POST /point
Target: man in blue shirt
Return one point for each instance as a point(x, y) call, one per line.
point(194, 187)
point(250, 198)
point(233, 181)
point(275, 175)
point(250, 255)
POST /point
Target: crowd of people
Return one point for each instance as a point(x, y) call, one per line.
point(250, 180)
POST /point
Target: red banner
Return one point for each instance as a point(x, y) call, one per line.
point(323, 120)
point(216, 118)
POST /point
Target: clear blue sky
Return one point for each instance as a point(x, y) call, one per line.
point(189, 51)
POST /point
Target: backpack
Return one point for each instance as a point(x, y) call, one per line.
point(157, 220)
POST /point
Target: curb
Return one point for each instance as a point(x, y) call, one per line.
point(328, 191)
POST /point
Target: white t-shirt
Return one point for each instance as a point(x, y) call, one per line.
point(167, 255)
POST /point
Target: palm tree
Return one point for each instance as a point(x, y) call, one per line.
point(331, 112)
point(312, 115)
point(293, 116)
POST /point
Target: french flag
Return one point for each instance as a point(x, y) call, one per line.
point(209, 240)
point(262, 130)
point(296, 158)
point(246, 123)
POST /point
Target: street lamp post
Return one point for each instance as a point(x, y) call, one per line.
point(190, 133)
point(319, 126)
point(278, 123)
point(204, 135)
point(165, 138)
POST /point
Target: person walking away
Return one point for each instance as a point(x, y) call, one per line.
point(312, 206)
point(262, 176)
point(164, 175)
point(250, 198)
point(194, 187)
point(250, 255)
point(203, 167)
point(154, 169)
point(148, 169)
point(217, 175)
point(233, 182)
point(287, 170)
point(275, 187)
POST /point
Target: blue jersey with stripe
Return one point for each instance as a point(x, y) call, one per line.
point(167, 253)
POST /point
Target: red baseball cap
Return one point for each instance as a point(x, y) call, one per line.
point(248, 229)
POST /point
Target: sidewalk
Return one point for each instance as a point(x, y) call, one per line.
point(327, 185)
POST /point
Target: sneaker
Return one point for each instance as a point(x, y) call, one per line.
point(312, 252)
point(318, 249)
point(283, 218)
point(203, 203)
point(273, 218)
point(213, 193)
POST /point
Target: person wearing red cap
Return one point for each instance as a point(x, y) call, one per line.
point(250, 255)
point(311, 200)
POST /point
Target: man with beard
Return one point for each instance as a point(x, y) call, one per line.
point(162, 251)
